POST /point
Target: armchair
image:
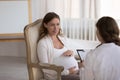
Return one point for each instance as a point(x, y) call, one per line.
point(35, 68)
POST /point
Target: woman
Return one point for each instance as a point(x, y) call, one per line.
point(103, 62)
point(53, 47)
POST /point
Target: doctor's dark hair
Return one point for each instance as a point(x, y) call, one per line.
point(47, 18)
point(108, 30)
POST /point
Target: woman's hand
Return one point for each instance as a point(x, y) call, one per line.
point(68, 53)
point(72, 70)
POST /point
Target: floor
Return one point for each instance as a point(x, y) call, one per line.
point(13, 68)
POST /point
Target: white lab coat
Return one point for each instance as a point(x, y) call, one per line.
point(103, 63)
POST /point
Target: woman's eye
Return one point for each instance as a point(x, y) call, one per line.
point(58, 24)
point(51, 24)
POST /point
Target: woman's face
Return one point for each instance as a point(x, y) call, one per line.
point(53, 26)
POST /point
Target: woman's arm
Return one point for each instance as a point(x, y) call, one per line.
point(86, 69)
point(42, 52)
point(72, 70)
point(68, 53)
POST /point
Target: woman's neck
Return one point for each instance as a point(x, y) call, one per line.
point(56, 42)
point(53, 37)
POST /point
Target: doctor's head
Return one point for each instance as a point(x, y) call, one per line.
point(107, 30)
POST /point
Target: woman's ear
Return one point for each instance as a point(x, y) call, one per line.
point(45, 25)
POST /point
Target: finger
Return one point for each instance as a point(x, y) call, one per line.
point(72, 67)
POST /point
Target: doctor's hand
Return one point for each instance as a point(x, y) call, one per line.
point(68, 53)
point(81, 64)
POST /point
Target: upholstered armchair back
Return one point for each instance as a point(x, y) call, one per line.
point(31, 33)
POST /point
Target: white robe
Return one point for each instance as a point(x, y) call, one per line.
point(103, 63)
point(45, 51)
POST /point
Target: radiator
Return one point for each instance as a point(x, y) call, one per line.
point(83, 29)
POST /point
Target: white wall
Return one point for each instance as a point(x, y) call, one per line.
point(13, 16)
point(17, 49)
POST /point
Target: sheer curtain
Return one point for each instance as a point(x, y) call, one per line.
point(77, 16)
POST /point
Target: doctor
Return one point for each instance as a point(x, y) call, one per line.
point(103, 63)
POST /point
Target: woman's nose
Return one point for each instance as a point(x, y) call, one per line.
point(55, 27)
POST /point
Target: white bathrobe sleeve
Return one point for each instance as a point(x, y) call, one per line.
point(42, 52)
point(86, 73)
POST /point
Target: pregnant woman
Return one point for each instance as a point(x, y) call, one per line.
point(53, 47)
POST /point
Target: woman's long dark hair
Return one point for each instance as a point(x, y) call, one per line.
point(47, 18)
point(108, 30)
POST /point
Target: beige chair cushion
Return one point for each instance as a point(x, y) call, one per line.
point(32, 36)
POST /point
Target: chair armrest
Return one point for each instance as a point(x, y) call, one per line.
point(56, 68)
point(48, 66)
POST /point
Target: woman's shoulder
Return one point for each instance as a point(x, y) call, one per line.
point(102, 49)
point(43, 40)
point(62, 37)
